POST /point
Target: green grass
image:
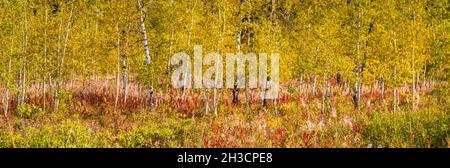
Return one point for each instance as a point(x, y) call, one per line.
point(419, 129)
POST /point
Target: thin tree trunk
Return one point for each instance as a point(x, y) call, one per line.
point(382, 89)
point(265, 90)
point(239, 42)
point(170, 48)
point(95, 87)
point(58, 55)
point(61, 64)
point(247, 99)
point(19, 85)
point(361, 90)
point(424, 82)
point(44, 69)
point(216, 103)
point(183, 88)
point(235, 99)
point(323, 99)
point(9, 76)
point(124, 75)
point(168, 60)
point(273, 19)
point(357, 86)
point(72, 82)
point(222, 30)
point(7, 87)
point(314, 86)
point(89, 84)
point(207, 101)
point(106, 84)
point(414, 91)
point(327, 96)
point(417, 91)
point(24, 57)
point(395, 103)
point(301, 84)
point(118, 70)
point(247, 87)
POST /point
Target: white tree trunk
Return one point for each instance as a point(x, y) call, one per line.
point(147, 56)
point(414, 88)
point(327, 96)
point(7, 88)
point(22, 77)
point(61, 64)
point(124, 75)
point(118, 70)
point(44, 87)
point(314, 86)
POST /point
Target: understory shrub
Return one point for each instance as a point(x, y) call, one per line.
point(425, 128)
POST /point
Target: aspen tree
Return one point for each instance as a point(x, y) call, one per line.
point(63, 55)
point(147, 55)
point(44, 68)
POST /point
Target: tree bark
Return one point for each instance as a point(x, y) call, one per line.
point(61, 64)
point(124, 72)
point(235, 90)
point(207, 101)
point(168, 60)
point(424, 82)
point(222, 30)
point(7, 87)
point(44, 69)
point(118, 70)
point(395, 103)
point(357, 86)
point(265, 90)
point(147, 56)
point(314, 86)
point(414, 86)
point(327, 96)
point(22, 76)
point(170, 48)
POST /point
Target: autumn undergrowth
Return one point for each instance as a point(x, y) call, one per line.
point(297, 121)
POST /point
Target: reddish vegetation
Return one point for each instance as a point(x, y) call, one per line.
point(309, 125)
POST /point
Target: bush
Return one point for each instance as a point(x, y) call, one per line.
point(65, 101)
point(169, 133)
point(409, 129)
point(68, 134)
point(28, 111)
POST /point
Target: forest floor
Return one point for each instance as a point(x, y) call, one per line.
point(88, 117)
